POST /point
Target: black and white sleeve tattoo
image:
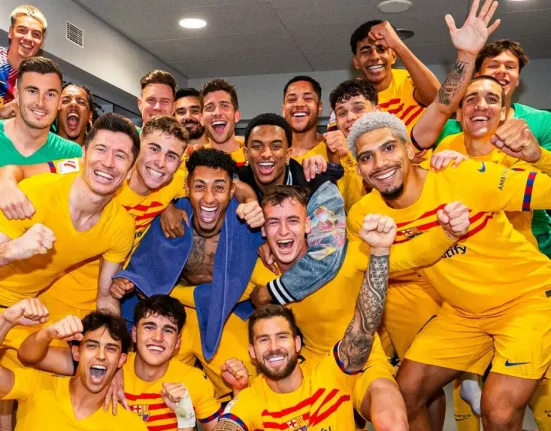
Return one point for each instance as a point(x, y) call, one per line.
point(453, 85)
point(358, 340)
point(227, 425)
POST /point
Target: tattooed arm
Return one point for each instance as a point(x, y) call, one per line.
point(227, 425)
point(468, 40)
point(379, 232)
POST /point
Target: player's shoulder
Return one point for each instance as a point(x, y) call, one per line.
point(524, 111)
point(244, 406)
point(63, 147)
point(469, 172)
point(400, 75)
point(179, 371)
point(47, 184)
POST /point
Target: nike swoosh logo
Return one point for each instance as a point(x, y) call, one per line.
point(483, 168)
point(462, 419)
point(514, 364)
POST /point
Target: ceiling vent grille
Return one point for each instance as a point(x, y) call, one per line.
point(75, 35)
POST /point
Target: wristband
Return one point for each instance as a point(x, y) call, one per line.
point(185, 412)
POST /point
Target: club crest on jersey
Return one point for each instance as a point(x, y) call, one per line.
point(297, 424)
point(411, 232)
point(142, 410)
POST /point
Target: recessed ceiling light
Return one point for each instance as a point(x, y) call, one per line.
point(193, 23)
point(394, 6)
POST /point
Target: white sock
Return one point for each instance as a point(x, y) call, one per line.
point(471, 392)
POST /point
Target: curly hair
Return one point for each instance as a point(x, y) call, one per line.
point(211, 158)
point(116, 326)
point(269, 120)
point(352, 88)
point(161, 305)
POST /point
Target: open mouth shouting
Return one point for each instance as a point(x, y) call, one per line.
point(219, 125)
point(73, 119)
point(97, 373)
point(207, 214)
point(285, 246)
point(265, 168)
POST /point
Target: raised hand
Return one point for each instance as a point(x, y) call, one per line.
point(251, 213)
point(27, 312)
point(37, 240)
point(455, 220)
point(67, 329)
point(439, 161)
point(515, 139)
point(336, 143)
point(472, 37)
point(120, 287)
point(378, 231)
point(235, 374)
point(383, 34)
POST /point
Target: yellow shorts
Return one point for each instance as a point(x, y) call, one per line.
point(408, 307)
point(518, 340)
point(233, 344)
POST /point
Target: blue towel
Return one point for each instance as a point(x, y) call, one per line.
point(157, 263)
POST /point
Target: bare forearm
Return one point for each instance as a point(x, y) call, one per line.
point(358, 339)
point(456, 83)
point(105, 301)
point(426, 84)
point(12, 173)
point(447, 100)
point(34, 349)
point(243, 192)
point(6, 255)
point(5, 327)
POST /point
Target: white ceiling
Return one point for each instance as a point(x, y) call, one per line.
point(250, 37)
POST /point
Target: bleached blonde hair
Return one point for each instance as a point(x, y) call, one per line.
point(373, 121)
point(32, 11)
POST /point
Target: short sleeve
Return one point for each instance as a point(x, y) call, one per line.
point(201, 391)
point(27, 382)
point(122, 238)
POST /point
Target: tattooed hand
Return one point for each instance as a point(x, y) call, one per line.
point(473, 35)
point(356, 345)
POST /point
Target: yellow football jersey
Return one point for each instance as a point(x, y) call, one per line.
point(77, 289)
point(45, 404)
point(145, 400)
point(238, 156)
point(350, 185)
point(322, 402)
point(493, 265)
point(324, 315)
point(111, 238)
point(398, 99)
point(521, 220)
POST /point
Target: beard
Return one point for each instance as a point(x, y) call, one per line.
point(196, 131)
point(283, 373)
point(393, 193)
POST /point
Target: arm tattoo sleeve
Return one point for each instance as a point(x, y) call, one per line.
point(453, 83)
point(227, 425)
point(357, 342)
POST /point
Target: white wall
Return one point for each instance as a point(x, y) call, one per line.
point(109, 62)
point(264, 93)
